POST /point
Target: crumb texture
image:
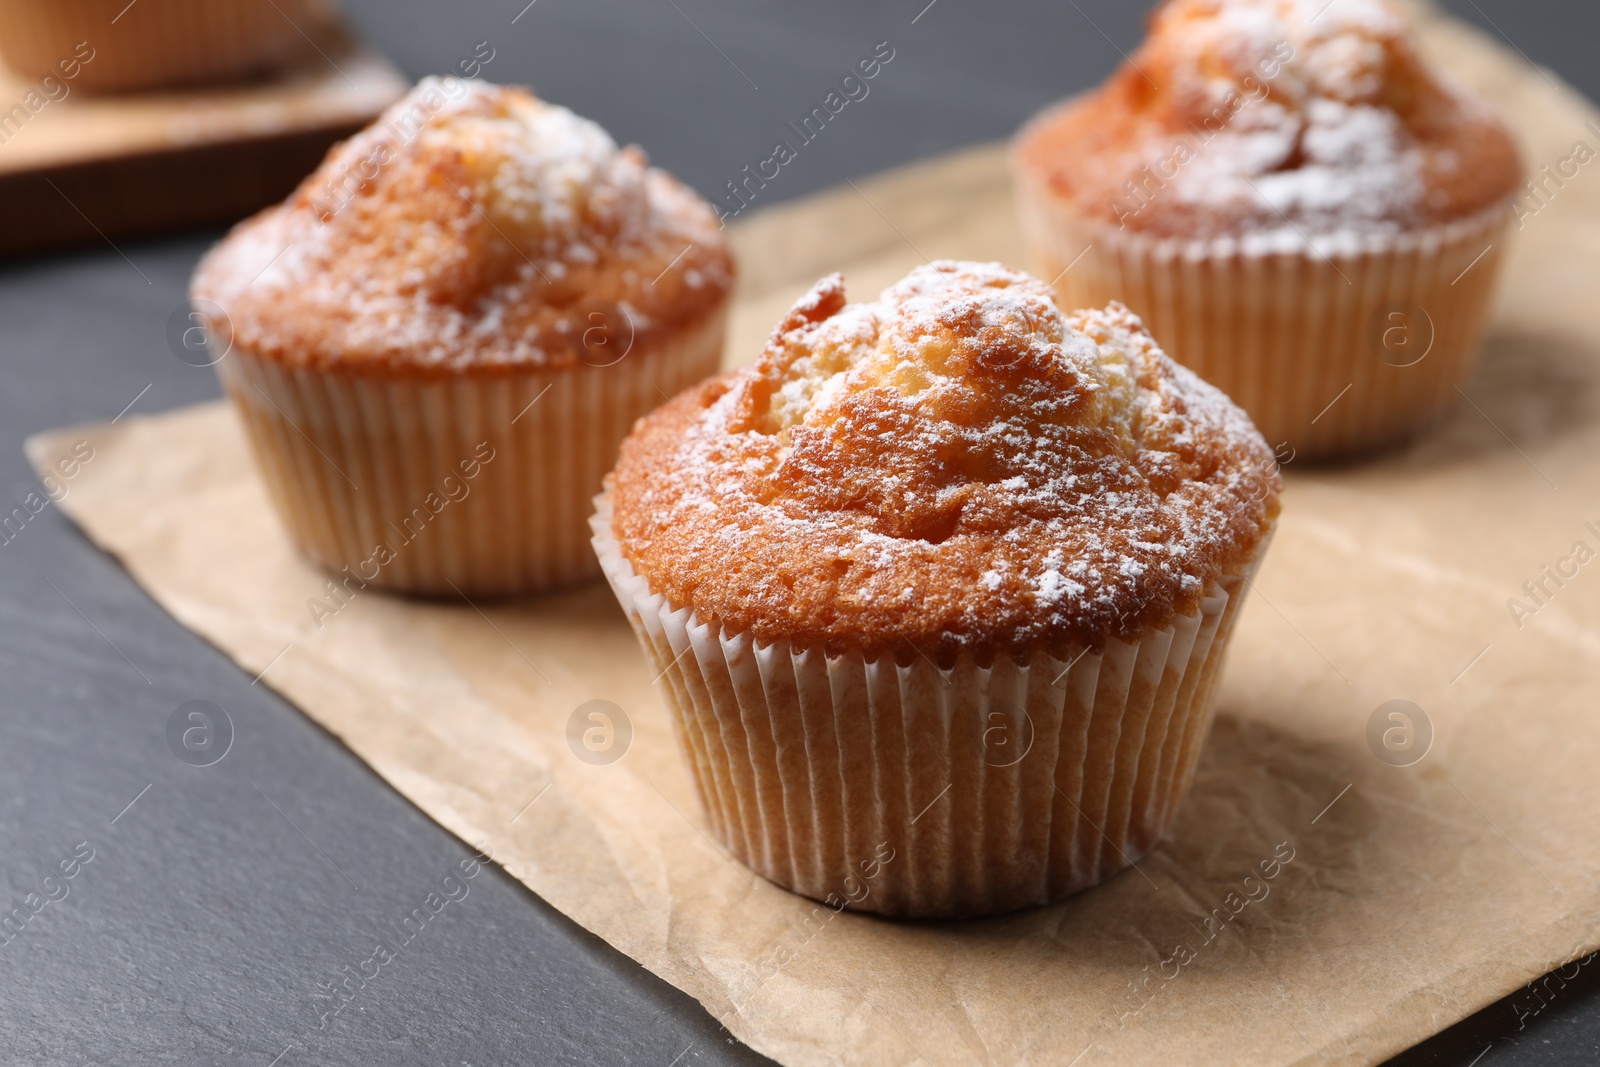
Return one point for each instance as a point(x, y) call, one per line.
point(471, 226)
point(954, 467)
point(1274, 119)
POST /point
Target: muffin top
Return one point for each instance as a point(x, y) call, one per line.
point(955, 467)
point(1274, 117)
point(471, 226)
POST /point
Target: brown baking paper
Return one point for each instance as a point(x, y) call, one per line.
point(1314, 904)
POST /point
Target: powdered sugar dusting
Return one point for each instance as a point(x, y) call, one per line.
point(467, 224)
point(955, 463)
point(1320, 147)
point(1279, 121)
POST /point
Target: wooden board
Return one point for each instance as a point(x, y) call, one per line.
point(96, 167)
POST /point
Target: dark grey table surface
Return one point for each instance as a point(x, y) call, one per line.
point(219, 899)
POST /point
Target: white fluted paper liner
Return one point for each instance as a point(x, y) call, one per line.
point(989, 788)
point(356, 464)
point(1293, 331)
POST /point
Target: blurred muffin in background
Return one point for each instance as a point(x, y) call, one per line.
point(153, 44)
point(439, 341)
point(1296, 205)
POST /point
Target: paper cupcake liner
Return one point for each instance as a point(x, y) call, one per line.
point(358, 463)
point(169, 42)
point(909, 790)
point(1335, 349)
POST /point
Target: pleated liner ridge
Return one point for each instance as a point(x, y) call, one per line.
point(1317, 346)
point(353, 462)
point(992, 788)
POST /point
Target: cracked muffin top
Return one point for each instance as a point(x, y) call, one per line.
point(1274, 119)
point(956, 467)
point(471, 227)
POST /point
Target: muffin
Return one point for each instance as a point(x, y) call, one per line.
point(436, 344)
point(1298, 207)
point(939, 589)
point(115, 45)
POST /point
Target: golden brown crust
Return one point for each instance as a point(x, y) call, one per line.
point(955, 468)
point(1254, 116)
point(471, 228)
